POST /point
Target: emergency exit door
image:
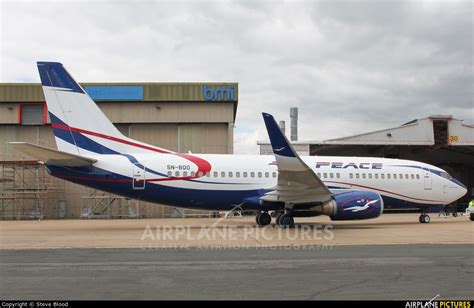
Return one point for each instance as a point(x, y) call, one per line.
point(427, 178)
point(138, 176)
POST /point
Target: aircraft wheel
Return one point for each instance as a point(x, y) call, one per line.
point(263, 219)
point(277, 220)
point(472, 217)
point(420, 219)
point(426, 219)
point(286, 221)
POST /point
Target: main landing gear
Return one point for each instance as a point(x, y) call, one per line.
point(424, 218)
point(263, 219)
point(284, 220)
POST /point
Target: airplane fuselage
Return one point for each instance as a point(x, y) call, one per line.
point(222, 182)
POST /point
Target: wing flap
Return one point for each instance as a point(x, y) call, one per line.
point(51, 156)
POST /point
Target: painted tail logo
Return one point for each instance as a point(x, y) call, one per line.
point(279, 150)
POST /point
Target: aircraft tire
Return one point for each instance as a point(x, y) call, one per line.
point(286, 221)
point(426, 219)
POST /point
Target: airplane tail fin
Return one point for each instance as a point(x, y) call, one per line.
point(79, 126)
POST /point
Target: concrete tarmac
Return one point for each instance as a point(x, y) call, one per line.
point(206, 232)
point(309, 272)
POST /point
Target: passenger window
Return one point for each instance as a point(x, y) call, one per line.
point(230, 174)
point(382, 176)
point(274, 174)
point(338, 175)
point(267, 174)
point(252, 174)
point(193, 173)
point(245, 174)
point(417, 176)
point(185, 173)
point(331, 175)
point(208, 174)
point(237, 174)
point(325, 175)
point(223, 174)
point(351, 175)
point(176, 174)
point(376, 175)
point(259, 174)
point(169, 174)
point(401, 176)
point(319, 175)
point(412, 176)
point(363, 175)
point(388, 176)
point(394, 176)
point(370, 175)
point(216, 174)
point(357, 176)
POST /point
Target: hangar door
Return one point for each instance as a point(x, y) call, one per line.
point(427, 178)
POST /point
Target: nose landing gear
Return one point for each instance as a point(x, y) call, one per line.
point(424, 218)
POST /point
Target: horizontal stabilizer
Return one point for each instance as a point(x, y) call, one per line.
point(51, 156)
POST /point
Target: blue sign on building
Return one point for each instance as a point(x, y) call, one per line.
point(218, 94)
point(115, 93)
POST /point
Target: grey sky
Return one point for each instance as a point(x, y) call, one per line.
point(350, 66)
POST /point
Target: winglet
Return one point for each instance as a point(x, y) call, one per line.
point(295, 178)
point(280, 145)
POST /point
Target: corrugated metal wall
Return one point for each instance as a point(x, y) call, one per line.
point(173, 116)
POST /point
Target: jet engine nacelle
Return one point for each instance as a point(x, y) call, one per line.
point(353, 205)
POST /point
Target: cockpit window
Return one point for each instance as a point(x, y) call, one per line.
point(445, 175)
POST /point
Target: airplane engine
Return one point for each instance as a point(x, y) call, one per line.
point(355, 205)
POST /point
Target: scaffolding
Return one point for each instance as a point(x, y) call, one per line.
point(27, 191)
point(100, 204)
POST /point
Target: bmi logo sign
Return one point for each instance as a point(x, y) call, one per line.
point(218, 94)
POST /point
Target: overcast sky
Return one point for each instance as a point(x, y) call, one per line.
point(350, 66)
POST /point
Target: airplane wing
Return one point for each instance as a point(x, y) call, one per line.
point(51, 156)
point(297, 183)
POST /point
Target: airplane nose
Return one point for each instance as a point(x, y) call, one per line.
point(462, 190)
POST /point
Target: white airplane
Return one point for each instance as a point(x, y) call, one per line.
point(93, 153)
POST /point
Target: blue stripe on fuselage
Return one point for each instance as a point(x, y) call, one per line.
point(154, 192)
point(183, 197)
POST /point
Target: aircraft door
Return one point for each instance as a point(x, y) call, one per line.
point(427, 178)
point(138, 176)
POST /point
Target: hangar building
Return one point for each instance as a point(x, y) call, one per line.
point(440, 140)
point(182, 117)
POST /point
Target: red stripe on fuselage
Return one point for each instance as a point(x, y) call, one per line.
point(203, 165)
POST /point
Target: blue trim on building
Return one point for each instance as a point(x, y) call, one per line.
point(115, 93)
